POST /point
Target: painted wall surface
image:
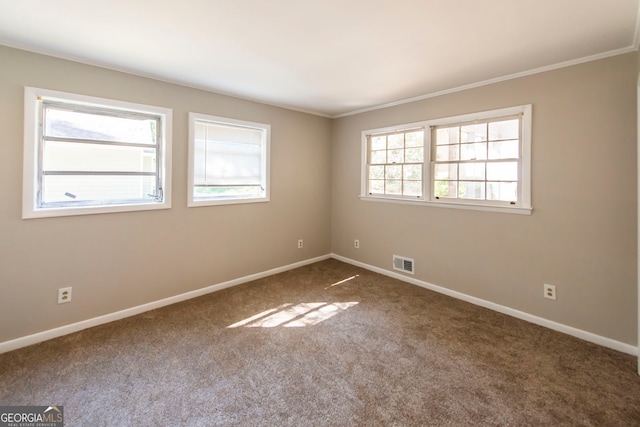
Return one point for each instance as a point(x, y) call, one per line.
point(121, 260)
point(581, 235)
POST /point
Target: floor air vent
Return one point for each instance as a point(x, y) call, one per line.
point(403, 264)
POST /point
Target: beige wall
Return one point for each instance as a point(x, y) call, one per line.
point(581, 236)
point(121, 260)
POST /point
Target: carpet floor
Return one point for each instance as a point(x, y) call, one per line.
point(325, 344)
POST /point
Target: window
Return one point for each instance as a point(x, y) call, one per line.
point(228, 161)
point(477, 161)
point(87, 155)
point(396, 162)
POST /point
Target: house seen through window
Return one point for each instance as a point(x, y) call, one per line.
point(90, 155)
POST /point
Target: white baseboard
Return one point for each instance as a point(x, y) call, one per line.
point(569, 330)
point(89, 323)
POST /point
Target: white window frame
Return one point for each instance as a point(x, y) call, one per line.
point(32, 155)
point(265, 161)
point(521, 206)
point(367, 135)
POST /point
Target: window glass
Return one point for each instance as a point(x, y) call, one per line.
point(477, 161)
point(484, 163)
point(400, 156)
point(94, 155)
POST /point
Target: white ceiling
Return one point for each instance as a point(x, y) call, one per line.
point(329, 57)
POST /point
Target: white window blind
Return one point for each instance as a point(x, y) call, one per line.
point(228, 160)
point(227, 155)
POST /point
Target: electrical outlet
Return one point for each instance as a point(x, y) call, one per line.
point(64, 295)
point(549, 291)
point(300, 243)
point(356, 244)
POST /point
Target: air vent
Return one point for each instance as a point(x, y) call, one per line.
point(403, 264)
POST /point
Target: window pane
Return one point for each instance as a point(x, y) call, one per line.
point(446, 189)
point(502, 171)
point(413, 172)
point(412, 188)
point(446, 171)
point(471, 190)
point(477, 151)
point(506, 191)
point(472, 171)
point(394, 172)
point(414, 155)
point(395, 140)
point(376, 172)
point(396, 156)
point(414, 139)
point(507, 129)
point(504, 149)
point(379, 142)
point(473, 133)
point(394, 187)
point(68, 156)
point(84, 188)
point(447, 152)
point(376, 186)
point(379, 157)
point(448, 135)
point(94, 126)
point(473, 159)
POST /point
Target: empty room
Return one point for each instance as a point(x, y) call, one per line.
point(250, 213)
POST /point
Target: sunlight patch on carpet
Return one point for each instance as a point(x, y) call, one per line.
point(295, 316)
point(342, 281)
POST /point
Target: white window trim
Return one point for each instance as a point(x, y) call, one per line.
point(524, 205)
point(365, 154)
point(31, 153)
point(266, 150)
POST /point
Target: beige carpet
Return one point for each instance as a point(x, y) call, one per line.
point(325, 344)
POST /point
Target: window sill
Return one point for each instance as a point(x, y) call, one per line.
point(29, 213)
point(230, 201)
point(516, 210)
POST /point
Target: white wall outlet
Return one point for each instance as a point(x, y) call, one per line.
point(64, 295)
point(549, 291)
point(300, 244)
point(356, 244)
